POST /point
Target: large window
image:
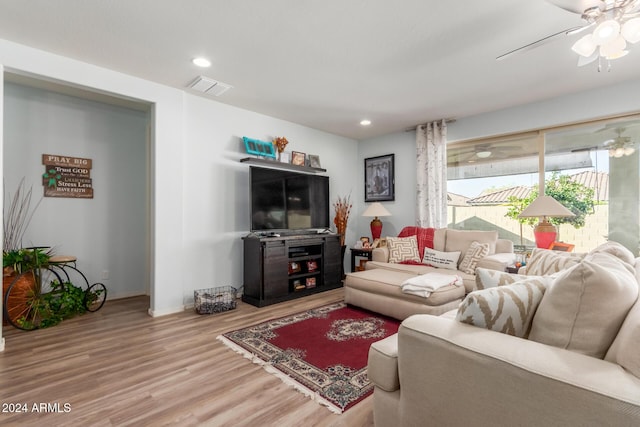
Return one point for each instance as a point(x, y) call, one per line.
point(485, 175)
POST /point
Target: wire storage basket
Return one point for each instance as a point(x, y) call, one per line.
point(214, 300)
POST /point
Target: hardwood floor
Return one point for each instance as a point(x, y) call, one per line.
point(120, 367)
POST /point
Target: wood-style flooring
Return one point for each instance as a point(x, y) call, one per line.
point(120, 367)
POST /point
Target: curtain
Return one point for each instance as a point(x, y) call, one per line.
point(431, 155)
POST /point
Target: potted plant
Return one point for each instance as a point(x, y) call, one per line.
point(17, 216)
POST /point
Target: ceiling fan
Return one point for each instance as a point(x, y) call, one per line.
point(615, 23)
point(483, 151)
point(620, 145)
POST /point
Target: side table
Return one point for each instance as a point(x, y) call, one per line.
point(362, 253)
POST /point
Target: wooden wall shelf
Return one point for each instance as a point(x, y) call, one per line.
point(280, 165)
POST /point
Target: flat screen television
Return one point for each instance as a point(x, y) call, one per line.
point(283, 200)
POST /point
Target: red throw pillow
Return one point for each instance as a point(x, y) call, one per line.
point(423, 235)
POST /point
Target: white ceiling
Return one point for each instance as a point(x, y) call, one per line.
point(327, 64)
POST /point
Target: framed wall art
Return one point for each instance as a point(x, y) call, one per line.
point(259, 148)
point(314, 161)
point(379, 181)
point(298, 158)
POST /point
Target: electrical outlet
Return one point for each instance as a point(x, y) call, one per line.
point(105, 274)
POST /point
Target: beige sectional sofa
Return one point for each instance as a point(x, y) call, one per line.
point(378, 288)
point(577, 363)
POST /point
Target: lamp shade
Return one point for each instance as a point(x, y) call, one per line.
point(545, 206)
point(375, 210)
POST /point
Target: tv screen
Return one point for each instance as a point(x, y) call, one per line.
point(284, 200)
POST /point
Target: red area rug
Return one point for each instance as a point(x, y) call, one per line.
point(321, 352)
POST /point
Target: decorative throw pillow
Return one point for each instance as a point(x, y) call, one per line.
point(506, 309)
point(616, 249)
point(624, 349)
point(586, 305)
point(545, 261)
point(423, 235)
point(486, 278)
point(448, 260)
point(402, 249)
point(475, 253)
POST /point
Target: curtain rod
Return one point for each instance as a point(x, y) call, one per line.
point(447, 121)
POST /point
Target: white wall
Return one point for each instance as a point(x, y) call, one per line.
point(402, 209)
point(199, 199)
point(597, 103)
point(109, 232)
point(216, 185)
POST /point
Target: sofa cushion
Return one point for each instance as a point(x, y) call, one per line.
point(486, 278)
point(424, 237)
point(382, 365)
point(545, 261)
point(616, 249)
point(460, 240)
point(624, 349)
point(403, 249)
point(448, 260)
point(507, 309)
point(389, 283)
point(586, 305)
point(475, 253)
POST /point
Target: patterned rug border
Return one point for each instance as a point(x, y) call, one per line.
point(284, 377)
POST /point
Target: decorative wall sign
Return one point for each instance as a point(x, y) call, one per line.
point(66, 176)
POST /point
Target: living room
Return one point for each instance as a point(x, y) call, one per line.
point(193, 206)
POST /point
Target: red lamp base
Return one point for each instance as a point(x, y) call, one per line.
point(376, 228)
point(545, 234)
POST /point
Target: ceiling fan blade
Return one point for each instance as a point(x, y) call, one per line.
point(568, 31)
point(577, 6)
point(582, 61)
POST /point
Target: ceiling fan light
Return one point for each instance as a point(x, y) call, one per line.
point(614, 49)
point(483, 154)
point(629, 151)
point(585, 46)
point(606, 31)
point(631, 30)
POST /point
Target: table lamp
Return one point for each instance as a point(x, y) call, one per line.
point(375, 210)
point(545, 206)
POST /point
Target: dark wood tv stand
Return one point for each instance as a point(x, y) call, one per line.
point(281, 268)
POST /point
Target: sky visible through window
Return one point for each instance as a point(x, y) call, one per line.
point(477, 186)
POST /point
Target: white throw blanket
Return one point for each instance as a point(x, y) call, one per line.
point(425, 284)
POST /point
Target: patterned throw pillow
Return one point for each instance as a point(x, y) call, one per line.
point(486, 278)
point(423, 235)
point(475, 253)
point(506, 309)
point(403, 249)
point(448, 260)
point(545, 261)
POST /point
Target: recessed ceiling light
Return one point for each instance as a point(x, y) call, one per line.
point(202, 62)
point(365, 122)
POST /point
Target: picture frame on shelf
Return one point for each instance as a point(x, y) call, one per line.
point(259, 148)
point(298, 158)
point(294, 267)
point(379, 178)
point(285, 157)
point(314, 161)
point(312, 266)
point(310, 282)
